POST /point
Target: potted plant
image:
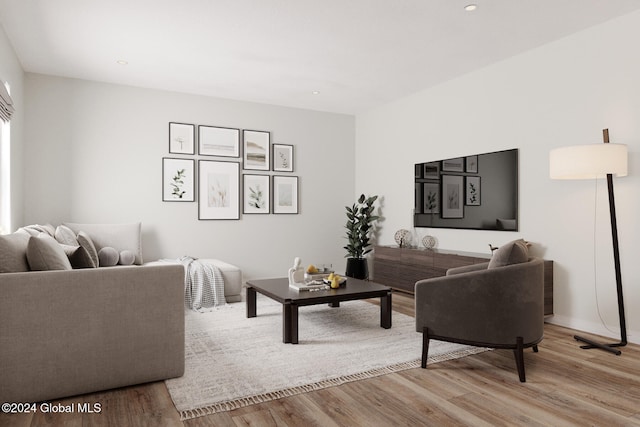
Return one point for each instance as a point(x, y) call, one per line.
point(359, 226)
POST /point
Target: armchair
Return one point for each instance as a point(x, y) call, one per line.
point(500, 307)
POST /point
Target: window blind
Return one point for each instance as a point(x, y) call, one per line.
point(6, 104)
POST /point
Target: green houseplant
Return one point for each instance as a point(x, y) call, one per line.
point(360, 220)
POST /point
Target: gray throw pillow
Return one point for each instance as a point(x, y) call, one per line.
point(514, 252)
point(108, 257)
point(45, 253)
point(78, 256)
point(86, 242)
point(122, 237)
point(126, 258)
point(65, 236)
point(13, 253)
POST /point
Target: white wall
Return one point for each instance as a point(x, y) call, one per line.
point(11, 72)
point(561, 94)
point(94, 154)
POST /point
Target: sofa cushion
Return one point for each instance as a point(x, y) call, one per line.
point(13, 253)
point(514, 252)
point(87, 243)
point(65, 236)
point(78, 256)
point(118, 236)
point(108, 257)
point(126, 258)
point(36, 229)
point(45, 253)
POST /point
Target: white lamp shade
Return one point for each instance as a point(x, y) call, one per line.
point(588, 161)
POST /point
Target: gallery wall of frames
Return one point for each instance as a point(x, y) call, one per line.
point(229, 171)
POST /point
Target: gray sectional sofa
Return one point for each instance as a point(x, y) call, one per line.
point(73, 329)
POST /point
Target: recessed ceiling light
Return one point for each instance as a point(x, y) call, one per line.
point(122, 62)
point(315, 92)
point(470, 7)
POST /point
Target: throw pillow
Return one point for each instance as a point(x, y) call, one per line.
point(78, 256)
point(13, 253)
point(126, 258)
point(514, 252)
point(86, 242)
point(119, 236)
point(45, 253)
point(65, 236)
point(108, 257)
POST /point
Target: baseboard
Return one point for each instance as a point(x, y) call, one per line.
point(592, 328)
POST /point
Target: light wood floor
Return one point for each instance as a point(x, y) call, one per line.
point(565, 386)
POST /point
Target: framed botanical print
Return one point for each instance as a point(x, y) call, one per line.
point(431, 198)
point(218, 141)
point(452, 196)
point(218, 190)
point(472, 191)
point(282, 158)
point(181, 138)
point(256, 148)
point(178, 182)
point(285, 194)
point(256, 194)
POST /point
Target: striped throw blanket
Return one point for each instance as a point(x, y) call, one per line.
point(203, 285)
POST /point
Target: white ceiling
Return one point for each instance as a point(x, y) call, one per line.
point(357, 53)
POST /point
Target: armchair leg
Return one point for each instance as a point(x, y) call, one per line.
point(519, 355)
point(425, 347)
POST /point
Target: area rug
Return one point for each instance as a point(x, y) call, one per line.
point(233, 361)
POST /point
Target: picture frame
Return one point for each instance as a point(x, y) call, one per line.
point(282, 158)
point(431, 197)
point(182, 138)
point(218, 190)
point(218, 141)
point(256, 150)
point(178, 180)
point(472, 191)
point(452, 196)
point(471, 164)
point(431, 170)
point(256, 192)
point(285, 194)
point(418, 196)
point(453, 165)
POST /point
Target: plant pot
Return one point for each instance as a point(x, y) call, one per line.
point(357, 268)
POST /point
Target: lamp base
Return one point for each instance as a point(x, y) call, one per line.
point(606, 347)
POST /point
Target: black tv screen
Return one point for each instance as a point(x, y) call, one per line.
point(478, 192)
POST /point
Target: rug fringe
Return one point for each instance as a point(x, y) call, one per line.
point(241, 402)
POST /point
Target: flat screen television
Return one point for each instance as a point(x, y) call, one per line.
point(478, 192)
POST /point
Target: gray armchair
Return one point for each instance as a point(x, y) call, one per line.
point(501, 307)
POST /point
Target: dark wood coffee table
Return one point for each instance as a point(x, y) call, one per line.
point(291, 299)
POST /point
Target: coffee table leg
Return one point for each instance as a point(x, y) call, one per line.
point(385, 311)
point(286, 323)
point(334, 304)
point(251, 302)
point(294, 324)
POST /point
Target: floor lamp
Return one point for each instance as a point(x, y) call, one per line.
point(589, 162)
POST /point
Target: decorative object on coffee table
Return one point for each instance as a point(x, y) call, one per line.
point(402, 237)
point(429, 242)
point(360, 219)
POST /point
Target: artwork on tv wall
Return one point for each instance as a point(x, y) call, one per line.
point(218, 190)
point(256, 191)
point(453, 165)
point(181, 138)
point(452, 196)
point(431, 198)
point(472, 191)
point(285, 194)
point(218, 141)
point(178, 182)
point(282, 158)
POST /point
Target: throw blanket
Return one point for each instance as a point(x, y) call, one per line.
point(203, 285)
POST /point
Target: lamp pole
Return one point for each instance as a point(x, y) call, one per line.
point(611, 347)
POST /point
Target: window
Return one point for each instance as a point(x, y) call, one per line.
point(5, 174)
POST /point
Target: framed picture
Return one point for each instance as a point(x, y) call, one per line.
point(472, 191)
point(256, 191)
point(181, 138)
point(432, 170)
point(256, 151)
point(431, 197)
point(453, 165)
point(418, 196)
point(218, 141)
point(285, 194)
point(218, 190)
point(452, 196)
point(178, 183)
point(471, 164)
point(282, 158)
